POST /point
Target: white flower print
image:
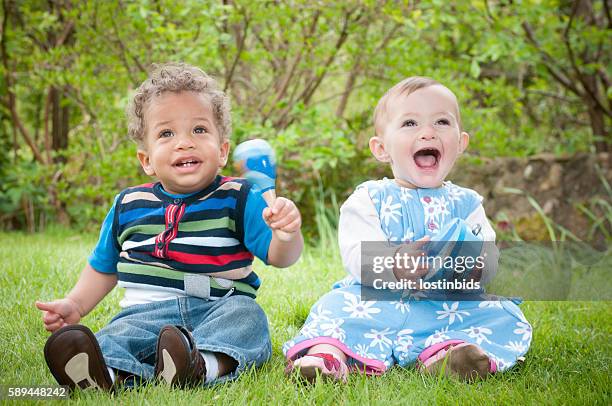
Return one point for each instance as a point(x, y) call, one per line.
point(438, 337)
point(401, 306)
point(310, 330)
point(523, 328)
point(451, 312)
point(403, 355)
point(408, 236)
point(405, 194)
point(441, 207)
point(332, 329)
point(358, 308)
point(319, 314)
point(362, 350)
point(404, 337)
point(478, 333)
point(516, 346)
point(379, 338)
point(403, 347)
point(348, 281)
point(434, 210)
point(490, 303)
point(389, 211)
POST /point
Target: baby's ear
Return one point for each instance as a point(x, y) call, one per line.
point(223, 153)
point(145, 162)
point(464, 141)
point(377, 147)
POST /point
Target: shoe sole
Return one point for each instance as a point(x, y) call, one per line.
point(310, 373)
point(77, 371)
point(467, 362)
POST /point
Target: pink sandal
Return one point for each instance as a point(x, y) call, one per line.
point(326, 364)
point(466, 361)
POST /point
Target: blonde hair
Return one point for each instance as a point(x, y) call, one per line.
point(177, 77)
point(403, 88)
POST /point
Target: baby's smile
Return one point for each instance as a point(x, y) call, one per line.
point(427, 158)
point(187, 164)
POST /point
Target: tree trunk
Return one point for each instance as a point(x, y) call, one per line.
point(59, 124)
point(598, 127)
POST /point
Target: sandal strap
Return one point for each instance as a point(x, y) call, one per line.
point(331, 362)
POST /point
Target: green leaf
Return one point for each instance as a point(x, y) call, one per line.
point(474, 68)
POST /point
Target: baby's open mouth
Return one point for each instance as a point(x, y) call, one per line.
point(427, 158)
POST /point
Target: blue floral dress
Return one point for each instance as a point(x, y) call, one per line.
point(376, 334)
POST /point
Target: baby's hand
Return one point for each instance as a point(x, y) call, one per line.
point(283, 218)
point(59, 313)
point(412, 249)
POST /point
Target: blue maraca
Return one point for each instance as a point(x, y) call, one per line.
point(255, 161)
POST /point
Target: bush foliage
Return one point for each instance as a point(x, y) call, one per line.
point(305, 75)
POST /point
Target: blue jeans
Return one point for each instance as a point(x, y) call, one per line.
point(235, 326)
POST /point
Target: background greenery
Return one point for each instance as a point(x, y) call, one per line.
point(532, 77)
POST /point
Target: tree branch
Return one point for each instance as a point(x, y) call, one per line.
point(607, 11)
point(242, 41)
point(586, 84)
point(561, 77)
point(68, 28)
point(47, 138)
point(124, 52)
point(290, 74)
point(316, 82)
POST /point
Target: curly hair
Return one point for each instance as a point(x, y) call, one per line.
point(177, 77)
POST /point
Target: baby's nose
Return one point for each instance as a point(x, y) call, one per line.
point(184, 141)
point(427, 133)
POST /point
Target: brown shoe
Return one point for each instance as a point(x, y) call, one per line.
point(75, 359)
point(178, 362)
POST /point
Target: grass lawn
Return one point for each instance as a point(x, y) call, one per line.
point(568, 362)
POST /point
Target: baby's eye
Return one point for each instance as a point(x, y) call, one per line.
point(166, 134)
point(409, 123)
point(200, 130)
point(443, 121)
